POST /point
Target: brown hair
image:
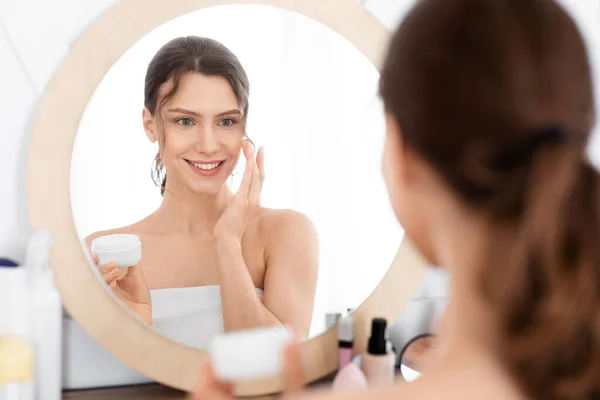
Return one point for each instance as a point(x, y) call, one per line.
point(190, 54)
point(497, 96)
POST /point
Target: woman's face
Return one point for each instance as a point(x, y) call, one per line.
point(393, 168)
point(403, 174)
point(203, 132)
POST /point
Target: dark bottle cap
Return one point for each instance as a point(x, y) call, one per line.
point(5, 262)
point(377, 341)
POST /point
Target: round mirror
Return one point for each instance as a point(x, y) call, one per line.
point(416, 356)
point(312, 99)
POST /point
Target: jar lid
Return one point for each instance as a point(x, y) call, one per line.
point(117, 241)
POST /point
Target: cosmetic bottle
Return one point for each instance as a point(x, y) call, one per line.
point(331, 319)
point(378, 362)
point(46, 322)
point(349, 376)
point(345, 341)
point(16, 354)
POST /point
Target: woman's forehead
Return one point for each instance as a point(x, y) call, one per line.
point(202, 94)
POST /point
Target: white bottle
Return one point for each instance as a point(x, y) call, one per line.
point(16, 354)
point(46, 312)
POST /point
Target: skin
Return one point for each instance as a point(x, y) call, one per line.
point(467, 358)
point(202, 234)
point(418, 354)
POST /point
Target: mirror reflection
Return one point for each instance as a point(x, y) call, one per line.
point(222, 179)
point(416, 356)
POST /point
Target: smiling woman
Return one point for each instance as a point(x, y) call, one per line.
point(205, 90)
point(225, 252)
point(214, 99)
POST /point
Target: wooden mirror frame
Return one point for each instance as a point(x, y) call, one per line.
point(48, 193)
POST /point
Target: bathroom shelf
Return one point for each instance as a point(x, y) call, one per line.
point(150, 392)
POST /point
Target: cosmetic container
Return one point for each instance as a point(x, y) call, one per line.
point(16, 353)
point(349, 376)
point(250, 354)
point(378, 363)
point(345, 341)
point(46, 317)
point(125, 250)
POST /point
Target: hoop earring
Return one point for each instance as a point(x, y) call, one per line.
point(158, 173)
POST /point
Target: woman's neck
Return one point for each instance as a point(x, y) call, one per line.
point(469, 331)
point(468, 323)
point(185, 212)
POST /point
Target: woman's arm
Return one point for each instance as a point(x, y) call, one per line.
point(290, 280)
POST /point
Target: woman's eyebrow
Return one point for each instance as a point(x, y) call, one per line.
point(184, 111)
point(230, 112)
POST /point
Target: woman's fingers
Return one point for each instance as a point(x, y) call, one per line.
point(207, 378)
point(247, 178)
point(134, 272)
point(106, 268)
point(109, 272)
point(294, 377)
point(209, 387)
point(254, 195)
point(95, 258)
point(111, 277)
point(260, 162)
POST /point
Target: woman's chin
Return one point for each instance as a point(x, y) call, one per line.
point(207, 188)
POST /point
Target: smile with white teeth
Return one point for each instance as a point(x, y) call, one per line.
point(206, 166)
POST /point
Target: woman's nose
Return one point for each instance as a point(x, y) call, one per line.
point(207, 141)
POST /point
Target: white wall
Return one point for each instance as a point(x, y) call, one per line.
point(36, 34)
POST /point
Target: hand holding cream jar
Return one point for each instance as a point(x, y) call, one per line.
point(125, 250)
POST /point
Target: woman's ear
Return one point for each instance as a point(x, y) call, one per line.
point(149, 125)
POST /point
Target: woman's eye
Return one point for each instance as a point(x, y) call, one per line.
point(227, 122)
point(185, 122)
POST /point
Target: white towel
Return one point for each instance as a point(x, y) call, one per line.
point(190, 316)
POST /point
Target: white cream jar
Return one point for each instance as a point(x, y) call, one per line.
point(125, 250)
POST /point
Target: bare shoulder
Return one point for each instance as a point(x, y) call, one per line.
point(289, 238)
point(277, 224)
point(423, 389)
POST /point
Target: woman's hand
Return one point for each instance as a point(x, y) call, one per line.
point(131, 289)
point(210, 388)
point(245, 203)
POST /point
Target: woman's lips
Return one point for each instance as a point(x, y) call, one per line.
point(209, 168)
